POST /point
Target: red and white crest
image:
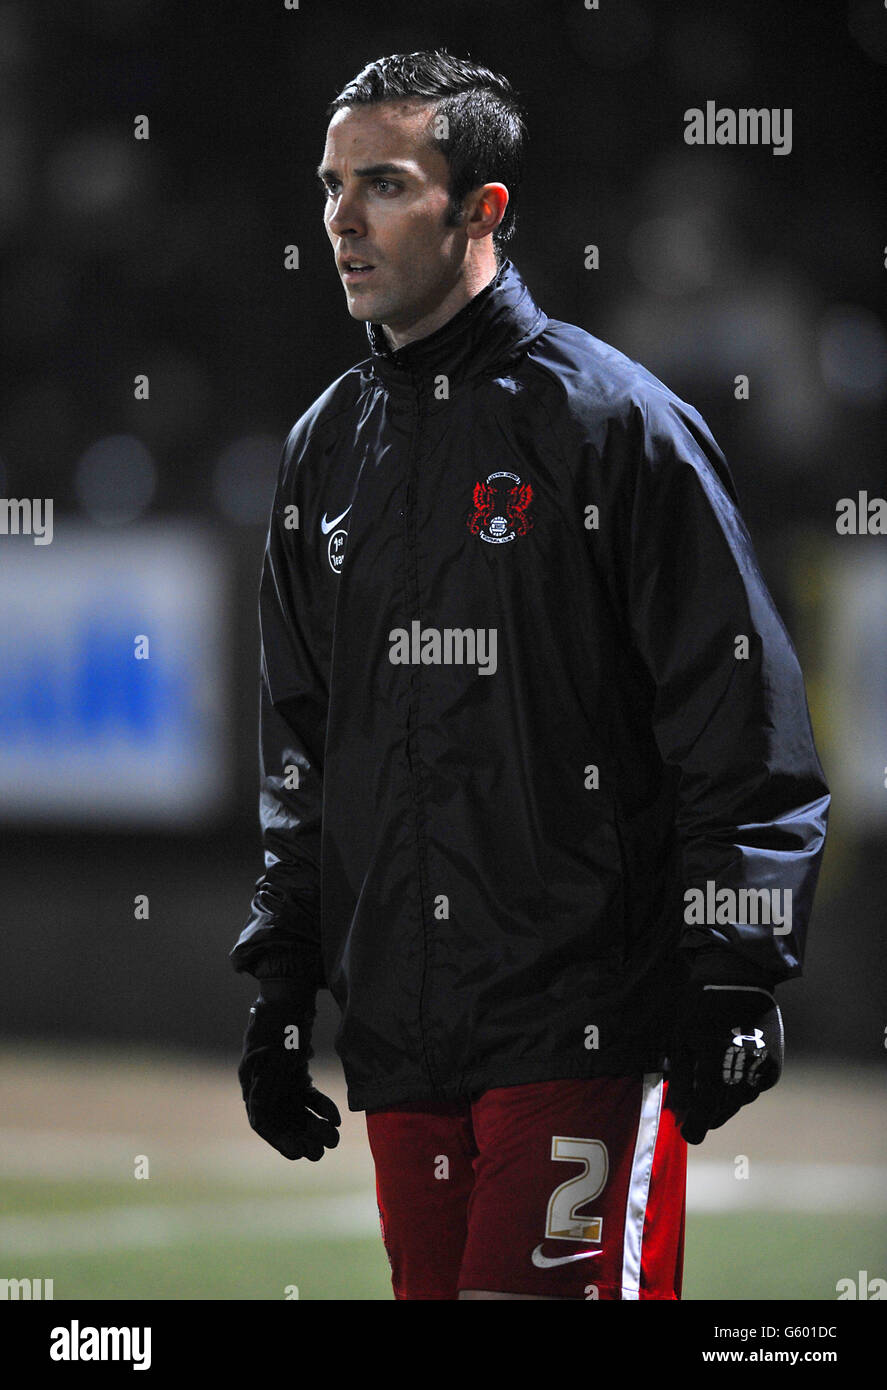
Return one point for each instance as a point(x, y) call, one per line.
point(501, 508)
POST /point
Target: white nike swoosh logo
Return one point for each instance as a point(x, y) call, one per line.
point(327, 526)
point(544, 1262)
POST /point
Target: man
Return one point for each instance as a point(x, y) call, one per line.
point(540, 801)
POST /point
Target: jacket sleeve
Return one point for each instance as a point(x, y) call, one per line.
point(730, 715)
point(284, 925)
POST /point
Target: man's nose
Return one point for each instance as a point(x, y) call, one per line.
point(345, 218)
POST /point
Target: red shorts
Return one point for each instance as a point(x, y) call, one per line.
point(564, 1189)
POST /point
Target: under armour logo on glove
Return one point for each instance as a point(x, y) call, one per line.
point(716, 1067)
point(744, 1063)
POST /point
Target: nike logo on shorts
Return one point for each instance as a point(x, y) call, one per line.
point(545, 1262)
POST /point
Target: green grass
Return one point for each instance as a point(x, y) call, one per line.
point(729, 1257)
point(246, 1269)
point(772, 1256)
point(198, 1230)
point(24, 1197)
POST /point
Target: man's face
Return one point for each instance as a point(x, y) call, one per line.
point(393, 217)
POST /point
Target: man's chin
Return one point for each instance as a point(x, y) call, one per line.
point(363, 307)
point(361, 311)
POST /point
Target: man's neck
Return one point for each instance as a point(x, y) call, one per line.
point(461, 294)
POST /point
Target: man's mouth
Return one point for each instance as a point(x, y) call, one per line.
point(356, 270)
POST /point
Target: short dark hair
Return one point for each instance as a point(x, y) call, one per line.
point(485, 123)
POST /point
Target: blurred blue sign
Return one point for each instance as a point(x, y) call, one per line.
point(113, 681)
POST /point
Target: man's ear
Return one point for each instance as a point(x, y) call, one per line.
point(486, 209)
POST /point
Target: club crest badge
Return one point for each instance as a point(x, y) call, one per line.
point(501, 508)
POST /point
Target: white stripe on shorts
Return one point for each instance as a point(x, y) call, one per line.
point(639, 1184)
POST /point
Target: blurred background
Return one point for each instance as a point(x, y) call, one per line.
point(128, 788)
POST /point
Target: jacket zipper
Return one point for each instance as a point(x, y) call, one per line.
point(412, 569)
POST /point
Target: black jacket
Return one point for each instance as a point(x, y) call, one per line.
point(482, 847)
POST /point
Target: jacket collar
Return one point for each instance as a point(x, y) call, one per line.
point(497, 324)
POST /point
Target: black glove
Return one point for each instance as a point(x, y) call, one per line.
point(728, 1048)
point(282, 1103)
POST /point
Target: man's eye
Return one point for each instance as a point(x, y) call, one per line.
point(328, 190)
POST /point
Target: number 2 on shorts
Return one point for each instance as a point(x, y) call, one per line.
point(562, 1222)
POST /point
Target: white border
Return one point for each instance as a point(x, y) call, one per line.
point(639, 1184)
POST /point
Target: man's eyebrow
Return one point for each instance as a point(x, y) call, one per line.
point(371, 171)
